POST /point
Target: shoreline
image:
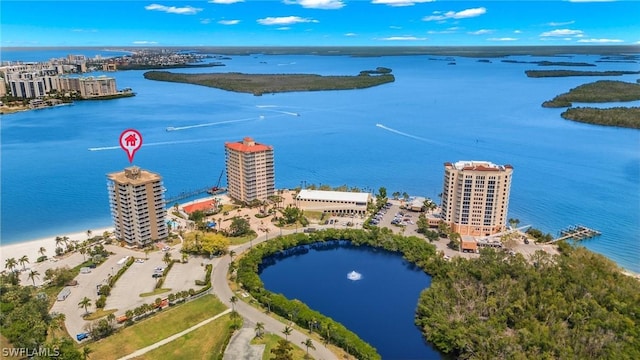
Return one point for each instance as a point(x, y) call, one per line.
point(31, 247)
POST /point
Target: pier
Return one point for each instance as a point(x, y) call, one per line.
point(577, 233)
point(191, 193)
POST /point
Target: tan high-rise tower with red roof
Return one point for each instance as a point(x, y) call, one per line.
point(250, 172)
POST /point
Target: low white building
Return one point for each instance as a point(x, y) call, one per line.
point(334, 202)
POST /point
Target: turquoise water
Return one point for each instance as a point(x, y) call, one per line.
point(565, 173)
point(378, 303)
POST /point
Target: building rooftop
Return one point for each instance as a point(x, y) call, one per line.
point(134, 175)
point(247, 145)
point(477, 166)
point(333, 195)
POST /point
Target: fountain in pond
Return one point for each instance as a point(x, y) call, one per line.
point(354, 276)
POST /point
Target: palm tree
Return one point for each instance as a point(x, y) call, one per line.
point(89, 232)
point(83, 250)
point(287, 331)
point(167, 258)
point(147, 250)
point(85, 352)
point(10, 264)
point(232, 254)
point(259, 329)
point(24, 259)
point(59, 241)
point(33, 274)
point(309, 344)
point(329, 326)
point(234, 300)
point(85, 303)
point(42, 250)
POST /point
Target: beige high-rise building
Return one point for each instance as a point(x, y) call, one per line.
point(250, 174)
point(138, 209)
point(475, 197)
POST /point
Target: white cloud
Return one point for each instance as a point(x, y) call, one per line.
point(481, 32)
point(350, 34)
point(85, 30)
point(285, 20)
point(400, 2)
point(600, 41)
point(144, 42)
point(503, 39)
point(225, 2)
point(284, 28)
point(402, 38)
point(229, 22)
point(468, 13)
point(553, 23)
point(563, 32)
point(317, 4)
point(186, 10)
point(517, 32)
point(395, 27)
point(205, 21)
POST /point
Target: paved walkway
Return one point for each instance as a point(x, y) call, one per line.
point(240, 347)
point(172, 337)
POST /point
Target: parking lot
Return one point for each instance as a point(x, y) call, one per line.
point(138, 279)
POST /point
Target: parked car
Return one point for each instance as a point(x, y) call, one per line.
point(82, 336)
point(155, 276)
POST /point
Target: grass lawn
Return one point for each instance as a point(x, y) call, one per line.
point(155, 292)
point(314, 215)
point(98, 314)
point(203, 343)
point(271, 341)
point(242, 239)
point(156, 328)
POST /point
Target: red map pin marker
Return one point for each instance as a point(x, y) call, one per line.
point(130, 142)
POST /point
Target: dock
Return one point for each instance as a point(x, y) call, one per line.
point(576, 233)
point(187, 194)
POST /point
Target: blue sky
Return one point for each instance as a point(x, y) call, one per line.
point(318, 23)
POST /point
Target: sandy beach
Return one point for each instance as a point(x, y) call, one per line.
point(30, 248)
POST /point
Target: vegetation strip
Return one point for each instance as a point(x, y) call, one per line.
point(259, 84)
point(573, 305)
point(566, 73)
point(618, 116)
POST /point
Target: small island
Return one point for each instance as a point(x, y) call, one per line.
point(548, 63)
point(597, 92)
point(259, 84)
point(600, 92)
point(565, 73)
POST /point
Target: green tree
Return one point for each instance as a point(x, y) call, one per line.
point(10, 264)
point(308, 344)
point(239, 227)
point(167, 258)
point(259, 329)
point(85, 352)
point(513, 223)
point(291, 214)
point(283, 351)
point(33, 274)
point(23, 260)
point(287, 331)
point(42, 250)
point(89, 233)
point(396, 195)
point(83, 250)
point(233, 300)
point(85, 303)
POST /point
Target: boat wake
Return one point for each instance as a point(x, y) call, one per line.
point(407, 135)
point(354, 276)
point(171, 128)
point(103, 148)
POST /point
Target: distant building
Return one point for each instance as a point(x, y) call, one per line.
point(88, 87)
point(138, 208)
point(475, 197)
point(333, 202)
point(250, 171)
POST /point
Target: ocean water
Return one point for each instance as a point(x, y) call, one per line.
point(396, 135)
point(378, 304)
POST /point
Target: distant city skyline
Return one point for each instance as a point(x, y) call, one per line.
point(27, 23)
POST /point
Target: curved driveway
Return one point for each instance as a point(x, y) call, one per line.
point(253, 315)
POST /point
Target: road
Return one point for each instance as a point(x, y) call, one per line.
point(252, 315)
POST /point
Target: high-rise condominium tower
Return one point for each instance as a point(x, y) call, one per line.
point(138, 209)
point(475, 197)
point(250, 174)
